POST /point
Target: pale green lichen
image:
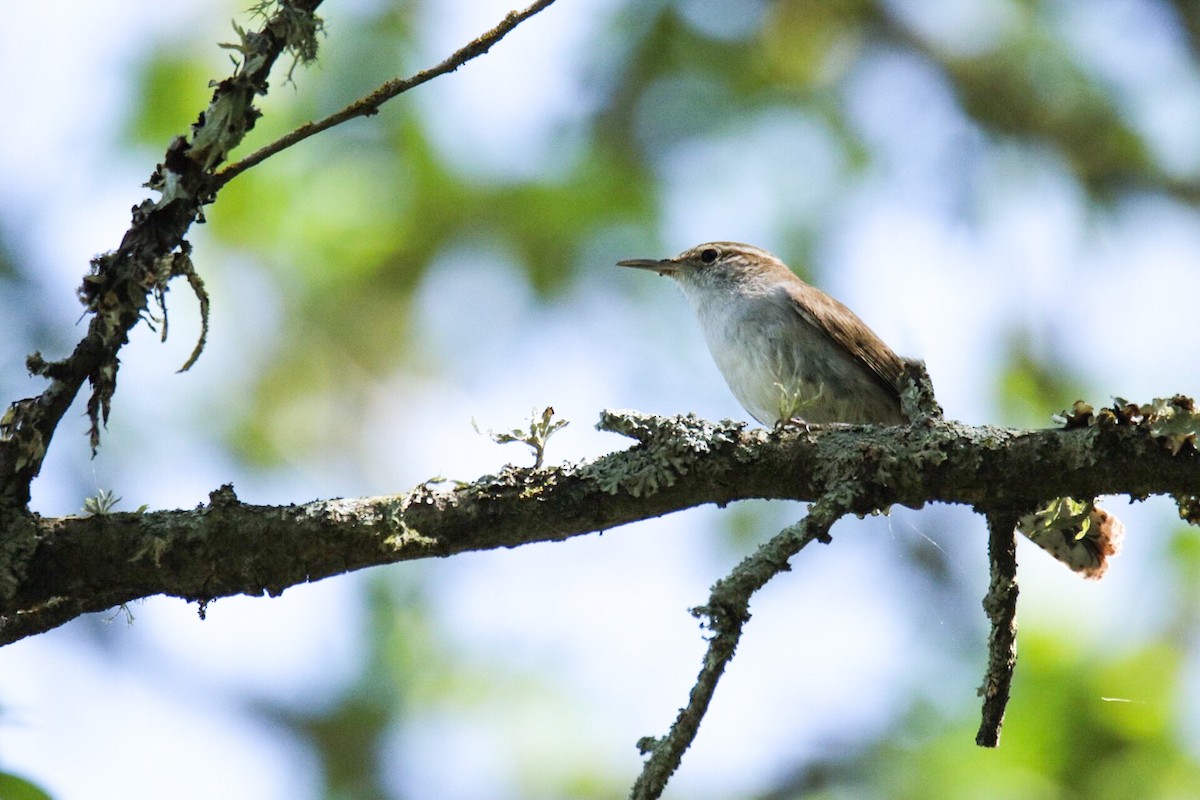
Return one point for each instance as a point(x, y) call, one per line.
point(403, 536)
point(1078, 533)
point(929, 454)
point(104, 502)
point(155, 547)
point(1064, 516)
point(1172, 421)
point(668, 448)
point(917, 401)
point(297, 27)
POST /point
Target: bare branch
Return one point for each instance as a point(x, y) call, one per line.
point(369, 105)
point(727, 612)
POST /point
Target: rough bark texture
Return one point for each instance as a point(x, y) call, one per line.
point(82, 564)
point(117, 294)
point(1001, 607)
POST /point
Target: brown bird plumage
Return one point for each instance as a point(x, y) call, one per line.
point(786, 349)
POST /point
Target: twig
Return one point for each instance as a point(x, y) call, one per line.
point(541, 428)
point(727, 612)
point(1001, 607)
point(370, 104)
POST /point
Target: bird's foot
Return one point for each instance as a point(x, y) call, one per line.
point(792, 423)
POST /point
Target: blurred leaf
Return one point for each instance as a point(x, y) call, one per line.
point(14, 788)
point(1032, 387)
point(1030, 88)
point(807, 42)
point(1185, 554)
point(173, 91)
point(1078, 726)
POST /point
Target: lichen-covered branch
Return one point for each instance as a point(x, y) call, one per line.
point(122, 284)
point(1001, 607)
point(81, 564)
point(118, 289)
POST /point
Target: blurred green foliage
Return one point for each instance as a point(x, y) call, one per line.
point(15, 788)
point(348, 225)
point(1082, 724)
point(1032, 383)
point(412, 676)
point(349, 222)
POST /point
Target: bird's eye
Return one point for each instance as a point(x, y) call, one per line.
point(708, 255)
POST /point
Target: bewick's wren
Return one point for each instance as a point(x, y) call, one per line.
point(786, 349)
point(791, 352)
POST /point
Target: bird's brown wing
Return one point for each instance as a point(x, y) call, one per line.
point(843, 326)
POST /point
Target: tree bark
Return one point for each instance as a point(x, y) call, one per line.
point(82, 564)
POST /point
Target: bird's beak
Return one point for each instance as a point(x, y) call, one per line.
point(664, 266)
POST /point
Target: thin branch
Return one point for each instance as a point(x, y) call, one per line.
point(1001, 607)
point(727, 612)
point(370, 104)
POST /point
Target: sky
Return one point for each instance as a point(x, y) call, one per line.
point(948, 244)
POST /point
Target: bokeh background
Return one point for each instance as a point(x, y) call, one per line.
point(1004, 188)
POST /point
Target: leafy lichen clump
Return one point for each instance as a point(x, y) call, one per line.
point(667, 449)
point(1172, 421)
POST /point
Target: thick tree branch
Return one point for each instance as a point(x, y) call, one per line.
point(90, 563)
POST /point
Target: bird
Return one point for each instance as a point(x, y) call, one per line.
point(791, 354)
point(787, 350)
